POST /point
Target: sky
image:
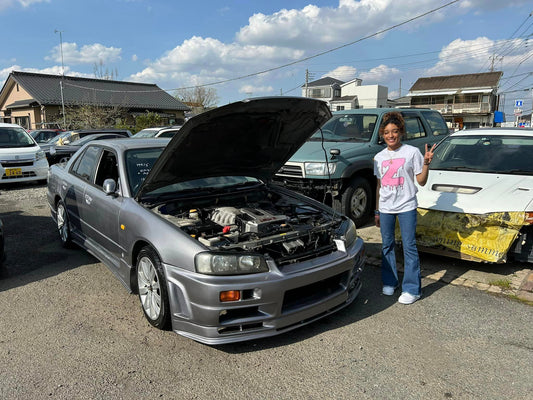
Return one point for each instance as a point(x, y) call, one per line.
point(252, 48)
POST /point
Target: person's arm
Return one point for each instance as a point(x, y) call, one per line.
point(422, 177)
point(376, 212)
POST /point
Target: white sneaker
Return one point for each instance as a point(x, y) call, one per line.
point(408, 298)
point(388, 290)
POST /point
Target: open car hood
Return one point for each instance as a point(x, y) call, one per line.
point(252, 138)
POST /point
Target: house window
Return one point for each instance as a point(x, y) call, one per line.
point(340, 108)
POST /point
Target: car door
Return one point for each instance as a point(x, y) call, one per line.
point(416, 133)
point(102, 211)
point(81, 173)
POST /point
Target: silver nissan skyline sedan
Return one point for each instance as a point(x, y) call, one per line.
point(215, 251)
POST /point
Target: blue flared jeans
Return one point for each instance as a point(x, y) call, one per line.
point(411, 282)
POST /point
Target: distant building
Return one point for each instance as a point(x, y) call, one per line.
point(346, 95)
point(465, 101)
point(36, 100)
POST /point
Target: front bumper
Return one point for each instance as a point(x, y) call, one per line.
point(271, 303)
point(34, 171)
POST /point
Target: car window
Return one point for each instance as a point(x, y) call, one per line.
point(489, 153)
point(414, 128)
point(347, 127)
point(168, 134)
point(107, 168)
point(15, 137)
point(146, 133)
point(436, 122)
point(139, 162)
point(84, 165)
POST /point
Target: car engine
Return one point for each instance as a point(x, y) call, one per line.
point(273, 224)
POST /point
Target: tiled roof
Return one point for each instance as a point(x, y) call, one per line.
point(45, 89)
point(327, 81)
point(486, 79)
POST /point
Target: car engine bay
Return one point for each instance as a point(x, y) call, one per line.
point(262, 220)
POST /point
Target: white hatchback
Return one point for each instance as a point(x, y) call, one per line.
point(21, 158)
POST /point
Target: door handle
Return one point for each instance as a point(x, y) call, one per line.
point(88, 199)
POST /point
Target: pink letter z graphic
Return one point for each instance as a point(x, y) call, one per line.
point(390, 177)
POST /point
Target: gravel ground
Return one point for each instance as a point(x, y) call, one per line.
point(71, 331)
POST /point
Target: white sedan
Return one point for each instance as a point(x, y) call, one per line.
point(478, 201)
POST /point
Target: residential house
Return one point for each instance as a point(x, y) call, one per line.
point(35, 100)
point(346, 95)
point(465, 101)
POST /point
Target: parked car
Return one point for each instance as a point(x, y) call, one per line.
point(336, 163)
point(68, 137)
point(478, 201)
point(44, 135)
point(21, 158)
point(195, 227)
point(160, 132)
point(63, 153)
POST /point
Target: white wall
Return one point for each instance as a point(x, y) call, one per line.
point(369, 96)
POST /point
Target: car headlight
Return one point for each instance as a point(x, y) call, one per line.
point(229, 264)
point(351, 234)
point(39, 155)
point(319, 168)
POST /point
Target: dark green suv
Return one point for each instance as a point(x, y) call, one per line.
point(335, 165)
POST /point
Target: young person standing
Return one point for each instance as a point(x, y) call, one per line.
point(396, 168)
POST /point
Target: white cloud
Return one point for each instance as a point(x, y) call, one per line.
point(469, 56)
point(4, 4)
point(343, 73)
point(379, 74)
point(54, 70)
point(134, 57)
point(87, 54)
point(202, 60)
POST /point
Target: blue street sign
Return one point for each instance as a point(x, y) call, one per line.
point(518, 103)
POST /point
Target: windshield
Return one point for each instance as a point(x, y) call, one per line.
point(64, 138)
point(139, 162)
point(485, 153)
point(146, 133)
point(347, 128)
point(15, 137)
point(205, 184)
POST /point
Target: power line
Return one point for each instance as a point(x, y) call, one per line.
point(305, 58)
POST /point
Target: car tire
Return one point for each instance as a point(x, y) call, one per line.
point(152, 288)
point(63, 225)
point(355, 201)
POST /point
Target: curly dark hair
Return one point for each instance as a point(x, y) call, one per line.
point(393, 117)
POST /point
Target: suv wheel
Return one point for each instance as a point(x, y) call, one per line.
point(356, 201)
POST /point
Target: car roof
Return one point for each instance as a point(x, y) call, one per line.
point(122, 145)
point(495, 131)
point(380, 110)
point(6, 125)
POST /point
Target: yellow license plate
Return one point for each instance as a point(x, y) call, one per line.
point(13, 171)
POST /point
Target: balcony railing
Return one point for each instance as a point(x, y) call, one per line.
point(458, 108)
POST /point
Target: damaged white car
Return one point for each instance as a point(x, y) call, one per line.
point(478, 201)
point(214, 250)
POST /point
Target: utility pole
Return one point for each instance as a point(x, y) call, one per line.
point(306, 81)
point(62, 76)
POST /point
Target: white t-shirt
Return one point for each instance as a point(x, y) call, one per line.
point(397, 171)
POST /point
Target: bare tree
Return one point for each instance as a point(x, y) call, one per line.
point(102, 72)
point(199, 97)
point(91, 117)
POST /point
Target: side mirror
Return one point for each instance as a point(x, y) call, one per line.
point(334, 153)
point(110, 187)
